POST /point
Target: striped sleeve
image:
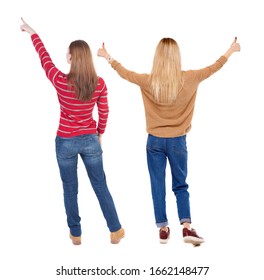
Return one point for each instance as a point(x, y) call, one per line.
point(51, 71)
point(103, 109)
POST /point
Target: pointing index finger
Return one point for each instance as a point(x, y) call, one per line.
point(23, 20)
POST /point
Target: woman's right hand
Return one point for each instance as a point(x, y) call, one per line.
point(100, 138)
point(103, 53)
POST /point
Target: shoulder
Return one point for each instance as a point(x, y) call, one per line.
point(101, 85)
point(101, 82)
point(188, 74)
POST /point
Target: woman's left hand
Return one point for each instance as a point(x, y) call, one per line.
point(26, 28)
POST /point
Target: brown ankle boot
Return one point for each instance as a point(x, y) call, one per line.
point(76, 240)
point(117, 236)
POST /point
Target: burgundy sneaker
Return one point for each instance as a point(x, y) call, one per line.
point(190, 236)
point(164, 235)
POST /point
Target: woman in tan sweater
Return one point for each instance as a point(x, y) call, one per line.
point(169, 95)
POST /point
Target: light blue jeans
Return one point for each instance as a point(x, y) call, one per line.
point(175, 150)
point(89, 149)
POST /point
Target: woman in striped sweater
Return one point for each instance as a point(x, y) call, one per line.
point(78, 133)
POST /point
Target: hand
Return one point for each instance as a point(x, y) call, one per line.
point(235, 47)
point(100, 138)
point(103, 53)
point(25, 27)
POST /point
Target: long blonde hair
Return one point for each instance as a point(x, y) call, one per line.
point(166, 75)
point(82, 77)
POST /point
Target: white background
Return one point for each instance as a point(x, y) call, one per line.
point(225, 144)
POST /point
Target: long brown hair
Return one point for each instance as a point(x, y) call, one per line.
point(82, 76)
point(166, 75)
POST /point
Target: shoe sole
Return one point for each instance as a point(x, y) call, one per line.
point(193, 240)
point(76, 243)
point(164, 241)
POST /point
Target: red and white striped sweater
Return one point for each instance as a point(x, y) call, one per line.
point(76, 117)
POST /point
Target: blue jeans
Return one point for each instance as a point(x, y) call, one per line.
point(175, 150)
point(89, 149)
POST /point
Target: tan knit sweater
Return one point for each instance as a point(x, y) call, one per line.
point(172, 120)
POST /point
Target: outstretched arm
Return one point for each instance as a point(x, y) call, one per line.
point(206, 72)
point(51, 71)
point(235, 47)
point(131, 76)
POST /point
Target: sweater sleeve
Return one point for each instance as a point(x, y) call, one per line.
point(46, 62)
point(103, 109)
point(133, 77)
point(206, 72)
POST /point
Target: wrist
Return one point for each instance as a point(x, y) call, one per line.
point(109, 58)
point(228, 53)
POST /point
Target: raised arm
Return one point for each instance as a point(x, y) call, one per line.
point(206, 72)
point(131, 76)
point(51, 71)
